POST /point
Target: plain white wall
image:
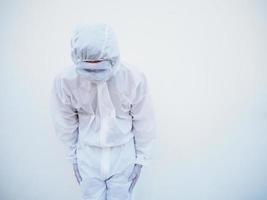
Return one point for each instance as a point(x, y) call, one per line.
point(207, 67)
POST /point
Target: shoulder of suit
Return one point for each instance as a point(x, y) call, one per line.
point(67, 73)
point(133, 71)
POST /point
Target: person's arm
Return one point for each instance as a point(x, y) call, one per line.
point(65, 119)
point(144, 122)
point(144, 130)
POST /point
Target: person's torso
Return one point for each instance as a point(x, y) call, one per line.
point(82, 94)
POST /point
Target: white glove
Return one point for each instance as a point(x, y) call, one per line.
point(77, 173)
point(134, 176)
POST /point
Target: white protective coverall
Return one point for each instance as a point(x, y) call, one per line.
point(106, 124)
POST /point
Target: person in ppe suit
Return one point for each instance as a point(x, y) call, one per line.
point(102, 112)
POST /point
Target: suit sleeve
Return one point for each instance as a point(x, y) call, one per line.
point(144, 122)
point(65, 119)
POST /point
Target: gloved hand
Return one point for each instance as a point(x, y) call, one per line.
point(134, 176)
point(77, 173)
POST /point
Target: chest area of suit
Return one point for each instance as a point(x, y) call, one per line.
point(89, 98)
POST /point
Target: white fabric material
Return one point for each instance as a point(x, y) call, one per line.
point(106, 178)
point(94, 42)
point(75, 113)
point(107, 114)
point(107, 121)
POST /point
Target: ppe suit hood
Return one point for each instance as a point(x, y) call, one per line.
point(95, 42)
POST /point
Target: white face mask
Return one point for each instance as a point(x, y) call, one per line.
point(100, 71)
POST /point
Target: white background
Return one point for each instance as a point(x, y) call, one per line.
point(206, 63)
